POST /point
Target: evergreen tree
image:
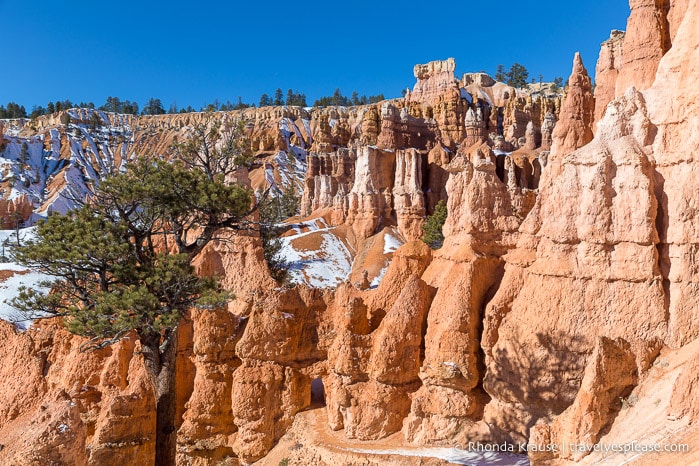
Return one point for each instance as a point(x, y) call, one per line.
point(517, 76)
point(278, 97)
point(376, 98)
point(123, 262)
point(153, 107)
point(5, 247)
point(13, 110)
point(284, 204)
point(556, 86)
point(50, 108)
point(240, 105)
point(432, 229)
point(265, 101)
point(337, 97)
point(113, 104)
point(17, 223)
point(24, 153)
point(500, 74)
point(37, 112)
point(129, 107)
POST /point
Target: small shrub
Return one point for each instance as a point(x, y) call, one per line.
point(432, 228)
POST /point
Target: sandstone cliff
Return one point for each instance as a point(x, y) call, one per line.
point(562, 305)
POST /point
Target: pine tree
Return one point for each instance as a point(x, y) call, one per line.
point(278, 97)
point(24, 153)
point(517, 76)
point(556, 86)
point(153, 107)
point(129, 107)
point(432, 229)
point(376, 98)
point(14, 110)
point(337, 97)
point(264, 101)
point(110, 277)
point(500, 75)
point(37, 112)
point(284, 204)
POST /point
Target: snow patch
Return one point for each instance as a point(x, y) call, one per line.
point(377, 279)
point(9, 288)
point(466, 95)
point(486, 97)
point(325, 267)
point(453, 455)
point(391, 243)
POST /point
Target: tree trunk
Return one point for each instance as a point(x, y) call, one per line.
point(162, 372)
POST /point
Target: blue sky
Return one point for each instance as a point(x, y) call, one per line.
point(195, 52)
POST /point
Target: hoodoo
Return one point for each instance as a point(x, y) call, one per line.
point(562, 307)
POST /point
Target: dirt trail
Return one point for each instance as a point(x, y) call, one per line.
point(309, 441)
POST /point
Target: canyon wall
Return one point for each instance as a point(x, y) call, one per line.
point(568, 266)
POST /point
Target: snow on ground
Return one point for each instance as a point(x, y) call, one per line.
point(307, 126)
point(500, 152)
point(310, 225)
point(391, 243)
point(324, 266)
point(377, 279)
point(453, 455)
point(34, 162)
point(486, 97)
point(291, 167)
point(9, 287)
point(465, 95)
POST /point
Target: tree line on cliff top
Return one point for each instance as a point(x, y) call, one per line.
point(518, 75)
point(155, 106)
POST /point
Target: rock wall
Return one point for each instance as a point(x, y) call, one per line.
point(66, 406)
point(562, 276)
point(606, 249)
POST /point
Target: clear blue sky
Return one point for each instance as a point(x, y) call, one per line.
point(194, 52)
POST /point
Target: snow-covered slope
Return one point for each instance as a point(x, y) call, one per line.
point(317, 254)
point(54, 165)
point(323, 256)
point(55, 169)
